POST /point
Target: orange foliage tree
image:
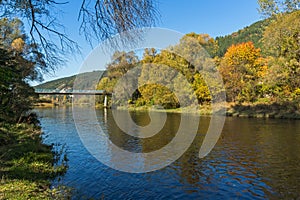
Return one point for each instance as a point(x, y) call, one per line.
point(242, 68)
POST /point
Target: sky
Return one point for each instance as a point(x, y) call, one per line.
point(214, 17)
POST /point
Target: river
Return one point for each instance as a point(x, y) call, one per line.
point(253, 159)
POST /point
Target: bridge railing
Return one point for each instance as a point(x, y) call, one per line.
point(56, 91)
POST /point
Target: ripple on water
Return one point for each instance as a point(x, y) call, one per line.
point(254, 159)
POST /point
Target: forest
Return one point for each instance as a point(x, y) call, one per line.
point(260, 67)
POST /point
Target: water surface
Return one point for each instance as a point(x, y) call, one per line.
point(253, 159)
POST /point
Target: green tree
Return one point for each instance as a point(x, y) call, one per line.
point(16, 96)
point(21, 61)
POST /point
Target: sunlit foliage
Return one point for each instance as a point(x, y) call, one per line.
point(241, 69)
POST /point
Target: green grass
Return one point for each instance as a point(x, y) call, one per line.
point(27, 166)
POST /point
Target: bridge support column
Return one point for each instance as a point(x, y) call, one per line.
point(105, 101)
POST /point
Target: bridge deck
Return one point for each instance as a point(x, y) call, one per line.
point(71, 92)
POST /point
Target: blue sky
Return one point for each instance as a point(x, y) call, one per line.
point(215, 17)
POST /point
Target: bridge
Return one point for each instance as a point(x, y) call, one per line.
point(70, 92)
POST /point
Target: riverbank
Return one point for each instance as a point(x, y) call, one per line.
point(250, 110)
point(262, 110)
point(27, 166)
point(255, 110)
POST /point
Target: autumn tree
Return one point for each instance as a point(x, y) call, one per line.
point(198, 50)
point(191, 59)
point(156, 87)
point(149, 55)
point(241, 68)
point(201, 89)
point(121, 63)
point(170, 68)
point(206, 41)
point(282, 43)
point(184, 70)
point(281, 38)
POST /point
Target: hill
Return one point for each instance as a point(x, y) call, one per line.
point(87, 80)
point(252, 33)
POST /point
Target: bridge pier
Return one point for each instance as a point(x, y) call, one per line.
point(105, 101)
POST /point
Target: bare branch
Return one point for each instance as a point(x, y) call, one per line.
point(109, 17)
point(99, 19)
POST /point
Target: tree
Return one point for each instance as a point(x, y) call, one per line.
point(190, 59)
point(241, 68)
point(16, 96)
point(149, 55)
point(253, 33)
point(99, 20)
point(272, 7)
point(14, 39)
point(172, 77)
point(202, 70)
point(20, 62)
point(155, 85)
point(282, 37)
point(121, 63)
point(161, 75)
point(171, 59)
point(282, 43)
point(201, 89)
point(207, 42)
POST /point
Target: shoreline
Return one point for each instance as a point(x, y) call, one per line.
point(272, 111)
point(27, 165)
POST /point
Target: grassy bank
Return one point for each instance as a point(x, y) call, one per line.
point(203, 110)
point(255, 110)
point(27, 166)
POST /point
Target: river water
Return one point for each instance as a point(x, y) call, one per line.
point(253, 159)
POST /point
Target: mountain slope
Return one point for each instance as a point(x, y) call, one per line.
point(252, 33)
point(87, 80)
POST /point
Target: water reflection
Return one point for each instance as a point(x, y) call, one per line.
point(254, 158)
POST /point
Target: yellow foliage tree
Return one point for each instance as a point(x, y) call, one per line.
point(241, 68)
